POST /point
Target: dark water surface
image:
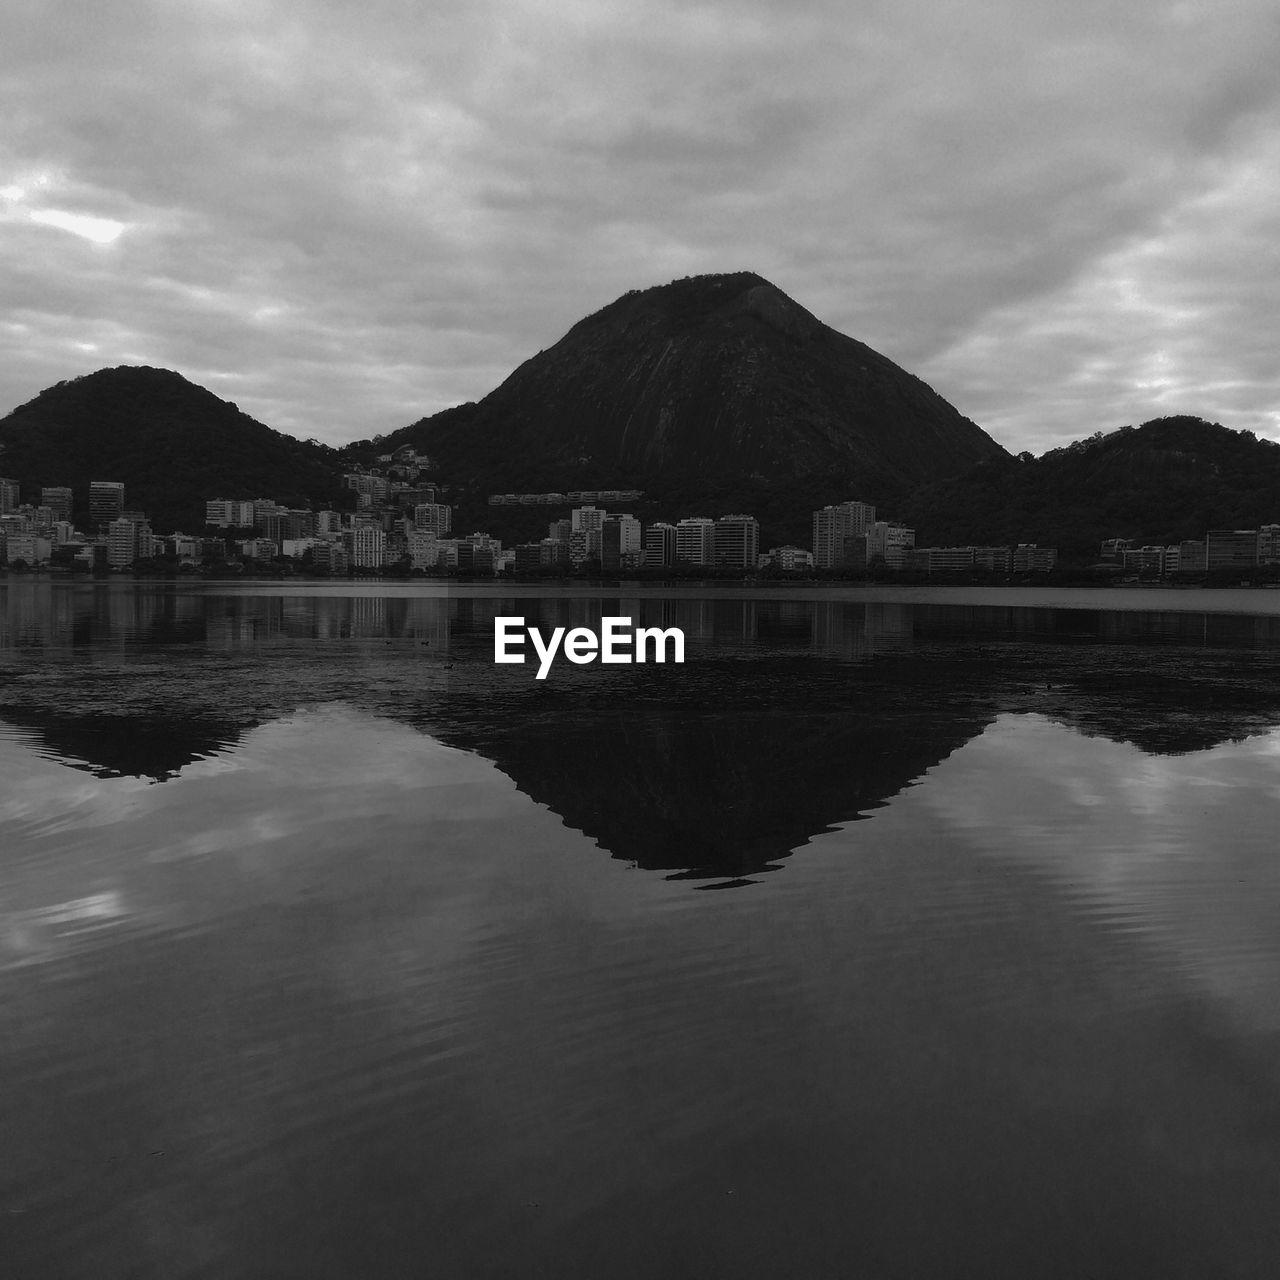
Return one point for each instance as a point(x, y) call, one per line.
point(883, 938)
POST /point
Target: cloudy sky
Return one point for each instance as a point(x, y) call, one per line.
point(1064, 217)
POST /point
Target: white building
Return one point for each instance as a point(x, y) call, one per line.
point(368, 547)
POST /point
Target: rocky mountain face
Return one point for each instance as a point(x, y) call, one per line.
point(719, 378)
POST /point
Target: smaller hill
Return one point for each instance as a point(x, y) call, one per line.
point(174, 445)
point(1164, 481)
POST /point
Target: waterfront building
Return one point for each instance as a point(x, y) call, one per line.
point(888, 541)
point(424, 549)
point(1114, 548)
point(1146, 560)
point(258, 548)
point(620, 542)
point(1030, 558)
point(736, 542)
point(528, 557)
point(584, 539)
point(1269, 544)
point(368, 547)
point(1231, 549)
point(788, 558)
point(477, 558)
point(585, 524)
point(993, 559)
point(696, 541)
point(942, 559)
point(1191, 556)
point(660, 545)
point(833, 526)
point(553, 552)
point(122, 542)
point(8, 496)
point(30, 548)
point(330, 556)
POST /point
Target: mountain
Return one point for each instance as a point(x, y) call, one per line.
point(171, 442)
point(1166, 480)
point(714, 386)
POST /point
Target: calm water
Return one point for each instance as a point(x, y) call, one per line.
point(887, 937)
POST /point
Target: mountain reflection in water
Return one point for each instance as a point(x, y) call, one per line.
point(790, 716)
point(311, 963)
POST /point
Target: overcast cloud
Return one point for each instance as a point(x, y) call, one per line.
point(1063, 217)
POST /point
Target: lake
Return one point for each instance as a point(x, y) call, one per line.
point(897, 933)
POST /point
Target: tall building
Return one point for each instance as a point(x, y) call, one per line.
point(122, 543)
point(834, 525)
point(584, 533)
point(106, 502)
point(58, 499)
point(696, 541)
point(8, 496)
point(737, 542)
point(660, 545)
point(330, 557)
point(620, 543)
point(368, 547)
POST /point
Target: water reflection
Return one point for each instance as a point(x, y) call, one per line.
point(792, 716)
point(343, 974)
point(1178, 848)
point(311, 964)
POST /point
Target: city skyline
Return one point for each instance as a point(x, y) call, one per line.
point(1063, 221)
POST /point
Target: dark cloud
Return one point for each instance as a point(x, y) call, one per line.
point(1058, 215)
